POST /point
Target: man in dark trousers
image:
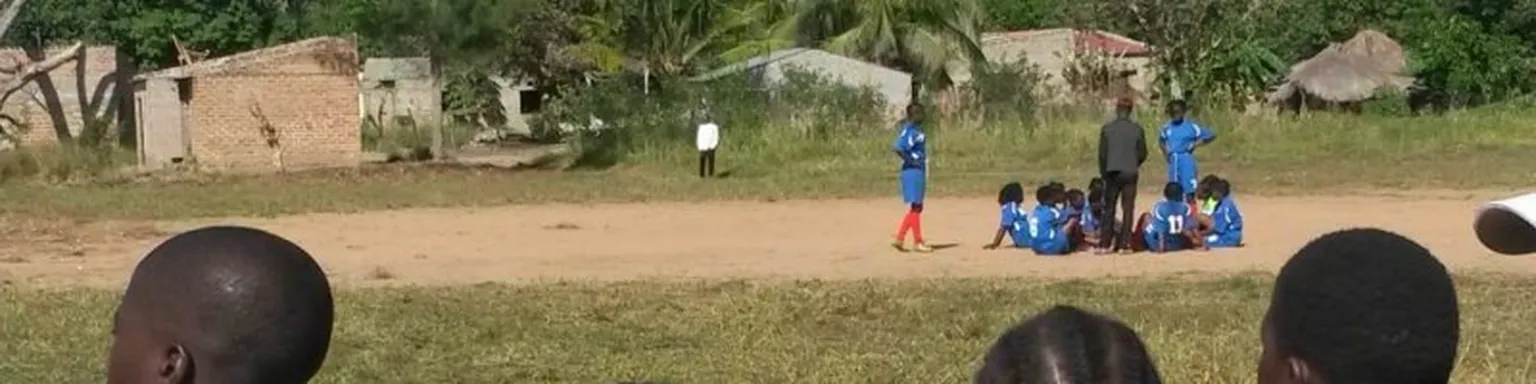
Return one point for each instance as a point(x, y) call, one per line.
point(1122, 150)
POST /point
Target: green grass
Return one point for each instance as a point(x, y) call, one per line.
point(1327, 153)
point(914, 331)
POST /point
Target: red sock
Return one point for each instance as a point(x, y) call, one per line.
point(917, 227)
point(907, 222)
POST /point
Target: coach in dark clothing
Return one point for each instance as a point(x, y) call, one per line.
point(1122, 150)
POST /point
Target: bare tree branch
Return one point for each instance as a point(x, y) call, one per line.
point(8, 15)
point(26, 72)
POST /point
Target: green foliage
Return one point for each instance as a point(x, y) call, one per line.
point(1388, 103)
point(1014, 15)
point(144, 28)
point(472, 98)
point(804, 106)
point(1004, 92)
point(1460, 64)
point(921, 37)
point(667, 36)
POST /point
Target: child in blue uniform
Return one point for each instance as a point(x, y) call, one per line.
point(1048, 226)
point(912, 147)
point(1171, 225)
point(1086, 232)
point(1013, 217)
point(1178, 140)
point(1203, 200)
point(1226, 220)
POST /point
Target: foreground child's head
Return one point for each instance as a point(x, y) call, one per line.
point(1221, 189)
point(1096, 191)
point(1203, 191)
point(1173, 192)
point(1011, 193)
point(1360, 306)
point(1066, 345)
point(222, 305)
point(1045, 195)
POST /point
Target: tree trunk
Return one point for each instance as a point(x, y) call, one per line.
point(437, 126)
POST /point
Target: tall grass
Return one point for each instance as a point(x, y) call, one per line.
point(64, 163)
point(1461, 149)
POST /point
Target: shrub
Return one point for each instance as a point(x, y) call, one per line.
point(63, 163)
point(614, 118)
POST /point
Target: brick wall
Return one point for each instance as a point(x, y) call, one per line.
point(101, 66)
point(312, 104)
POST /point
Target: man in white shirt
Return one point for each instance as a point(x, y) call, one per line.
point(707, 139)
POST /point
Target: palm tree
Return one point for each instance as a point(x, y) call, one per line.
point(922, 37)
point(666, 36)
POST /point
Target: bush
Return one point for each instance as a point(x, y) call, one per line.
point(62, 163)
point(1388, 103)
point(1003, 92)
point(614, 118)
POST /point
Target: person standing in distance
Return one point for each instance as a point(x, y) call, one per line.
point(1122, 150)
point(1178, 140)
point(912, 147)
point(707, 139)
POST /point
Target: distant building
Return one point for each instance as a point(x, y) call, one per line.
point(396, 87)
point(1053, 50)
point(893, 85)
point(290, 106)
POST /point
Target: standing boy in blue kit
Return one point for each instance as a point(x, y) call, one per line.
point(912, 147)
point(1178, 139)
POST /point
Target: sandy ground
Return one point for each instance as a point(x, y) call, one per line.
point(838, 239)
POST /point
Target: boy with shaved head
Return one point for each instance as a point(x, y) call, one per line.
point(1361, 306)
point(225, 305)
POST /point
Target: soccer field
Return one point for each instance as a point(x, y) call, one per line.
point(768, 292)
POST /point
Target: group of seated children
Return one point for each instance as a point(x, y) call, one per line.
point(1064, 221)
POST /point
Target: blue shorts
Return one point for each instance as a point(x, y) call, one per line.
point(1182, 170)
point(1225, 240)
point(1052, 247)
point(914, 184)
point(1172, 243)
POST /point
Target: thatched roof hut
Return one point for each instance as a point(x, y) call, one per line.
point(1346, 73)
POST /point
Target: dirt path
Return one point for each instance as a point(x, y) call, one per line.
point(800, 239)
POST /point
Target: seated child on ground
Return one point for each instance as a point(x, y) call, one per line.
point(1048, 226)
point(1086, 233)
point(1058, 188)
point(1013, 218)
point(1171, 225)
point(1206, 204)
point(1226, 221)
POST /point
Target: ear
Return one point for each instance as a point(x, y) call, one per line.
point(1300, 372)
point(176, 366)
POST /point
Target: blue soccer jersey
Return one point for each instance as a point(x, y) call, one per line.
point(1181, 136)
point(1227, 224)
point(1015, 221)
point(1169, 218)
point(1086, 219)
point(1045, 230)
point(913, 146)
